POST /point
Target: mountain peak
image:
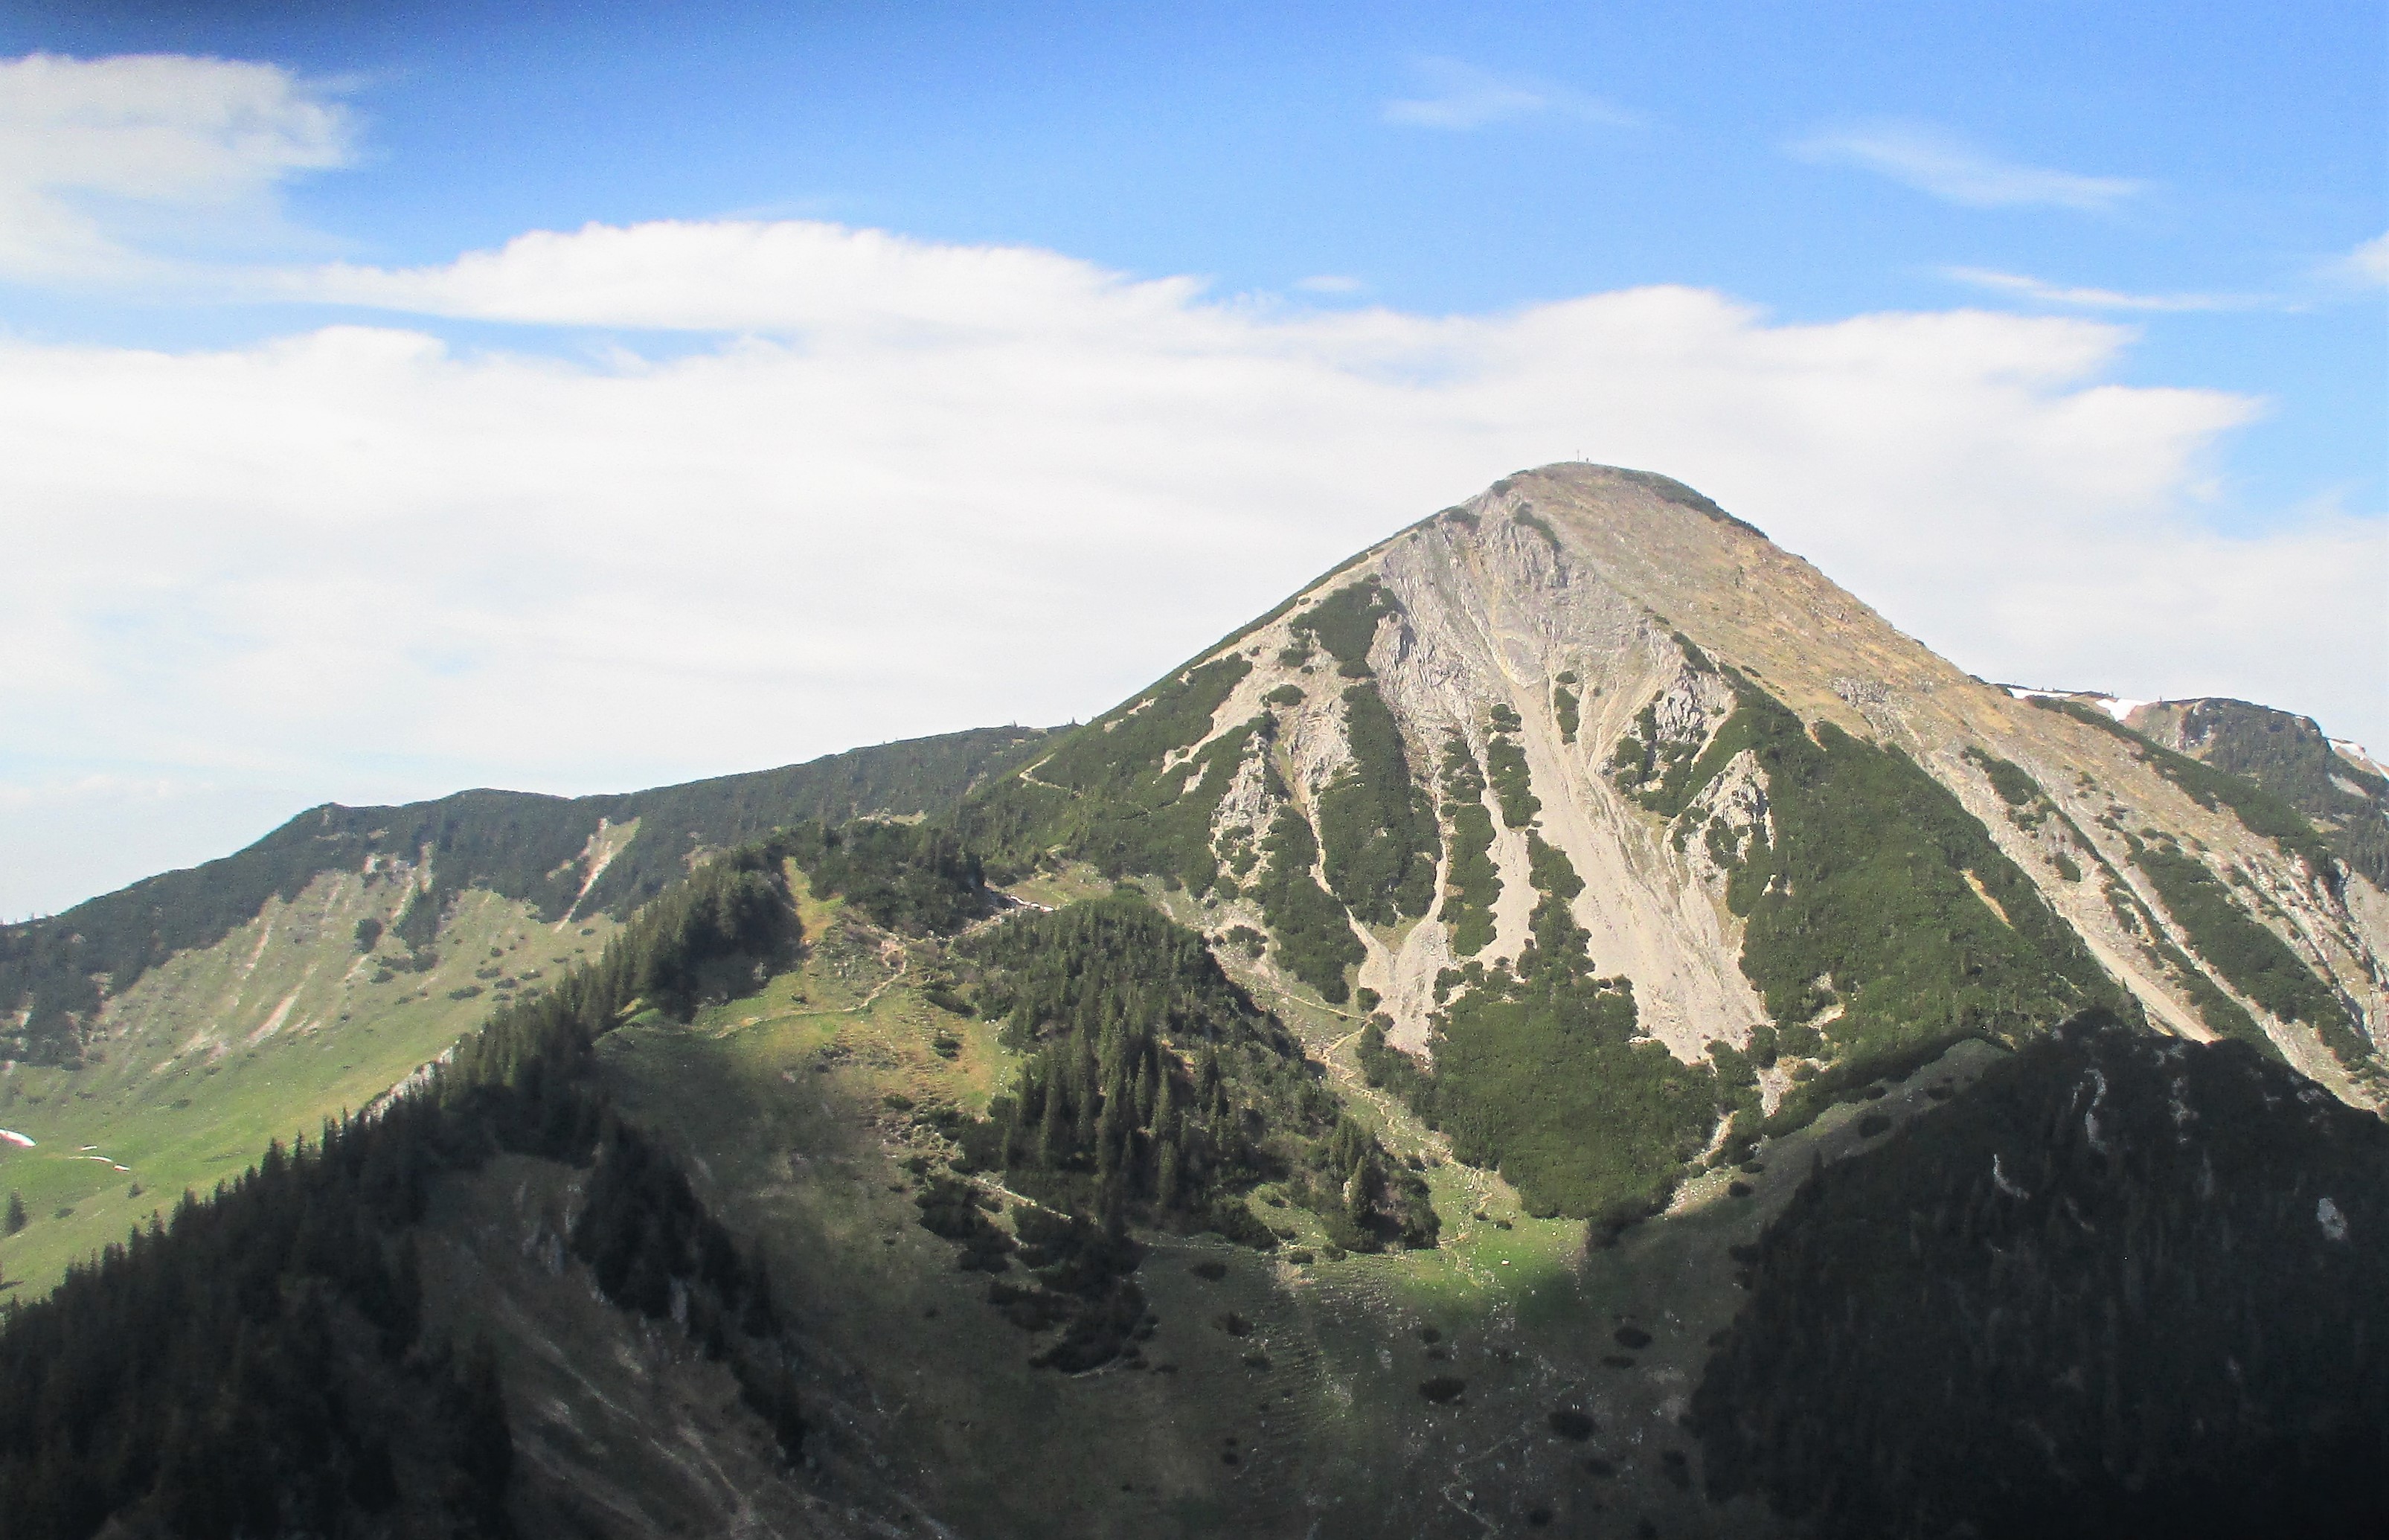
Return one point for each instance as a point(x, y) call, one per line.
point(1592, 694)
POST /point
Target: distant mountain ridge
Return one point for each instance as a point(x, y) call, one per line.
point(608, 852)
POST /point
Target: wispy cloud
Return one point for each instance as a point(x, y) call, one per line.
point(104, 162)
point(2041, 291)
point(1933, 160)
point(1462, 96)
point(2368, 264)
point(1330, 283)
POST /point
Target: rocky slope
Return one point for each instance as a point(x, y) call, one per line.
point(1577, 618)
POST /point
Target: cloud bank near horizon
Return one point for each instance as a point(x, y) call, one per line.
point(903, 487)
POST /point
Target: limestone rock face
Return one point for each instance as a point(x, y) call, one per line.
point(1598, 604)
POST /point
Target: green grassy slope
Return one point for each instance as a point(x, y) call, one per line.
point(238, 1027)
point(263, 1035)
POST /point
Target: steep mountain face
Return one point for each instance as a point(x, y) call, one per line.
point(1589, 715)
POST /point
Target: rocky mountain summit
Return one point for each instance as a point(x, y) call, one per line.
point(1561, 657)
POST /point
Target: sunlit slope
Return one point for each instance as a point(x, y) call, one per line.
point(2337, 785)
point(163, 1035)
point(559, 855)
point(283, 1023)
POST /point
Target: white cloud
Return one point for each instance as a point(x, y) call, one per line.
point(933, 487)
point(786, 276)
point(1934, 161)
point(1463, 96)
point(2043, 292)
point(102, 158)
point(2368, 264)
point(1330, 283)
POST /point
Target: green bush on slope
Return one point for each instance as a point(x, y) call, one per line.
point(1346, 621)
point(1540, 1073)
point(1475, 880)
point(1314, 940)
point(2257, 963)
point(1376, 830)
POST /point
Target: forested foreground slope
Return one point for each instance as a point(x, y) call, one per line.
point(2124, 1286)
point(280, 1359)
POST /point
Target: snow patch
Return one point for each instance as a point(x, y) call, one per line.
point(2114, 705)
point(2357, 755)
point(2333, 1223)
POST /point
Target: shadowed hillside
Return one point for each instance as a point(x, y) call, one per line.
point(2124, 1286)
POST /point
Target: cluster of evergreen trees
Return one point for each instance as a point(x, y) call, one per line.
point(1154, 1091)
point(1153, 1086)
point(256, 1365)
point(915, 878)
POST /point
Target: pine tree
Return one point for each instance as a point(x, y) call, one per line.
point(1165, 1181)
point(16, 1212)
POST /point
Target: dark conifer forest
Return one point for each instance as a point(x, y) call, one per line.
point(2125, 1286)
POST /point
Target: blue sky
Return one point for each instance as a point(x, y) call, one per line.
point(2172, 216)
